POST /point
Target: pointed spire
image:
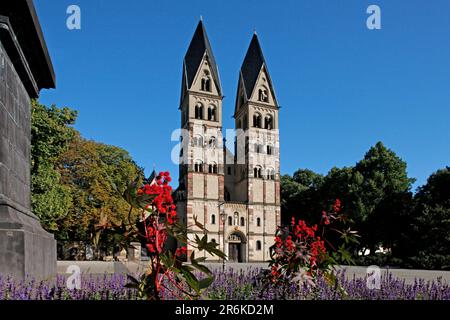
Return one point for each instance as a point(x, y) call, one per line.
point(251, 67)
point(197, 48)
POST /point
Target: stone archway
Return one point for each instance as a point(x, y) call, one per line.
point(236, 247)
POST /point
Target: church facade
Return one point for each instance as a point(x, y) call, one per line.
point(235, 195)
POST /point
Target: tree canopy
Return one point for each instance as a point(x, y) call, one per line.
point(75, 181)
point(376, 195)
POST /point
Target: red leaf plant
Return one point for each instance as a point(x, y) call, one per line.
point(302, 251)
point(167, 268)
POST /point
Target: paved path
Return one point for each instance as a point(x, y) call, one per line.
point(101, 267)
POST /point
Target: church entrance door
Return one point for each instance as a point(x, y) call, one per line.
point(234, 254)
point(235, 248)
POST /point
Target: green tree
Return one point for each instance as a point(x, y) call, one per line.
point(431, 232)
point(384, 176)
point(51, 133)
point(96, 174)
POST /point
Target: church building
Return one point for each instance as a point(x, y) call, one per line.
point(236, 195)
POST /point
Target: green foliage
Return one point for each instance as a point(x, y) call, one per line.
point(432, 222)
point(376, 196)
point(51, 133)
point(50, 200)
point(95, 174)
point(157, 224)
point(75, 183)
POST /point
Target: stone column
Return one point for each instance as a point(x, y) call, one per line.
point(25, 247)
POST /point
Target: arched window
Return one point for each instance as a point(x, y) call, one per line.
point(262, 95)
point(269, 150)
point(242, 221)
point(259, 148)
point(271, 174)
point(212, 142)
point(198, 166)
point(258, 245)
point(198, 141)
point(212, 113)
point(230, 221)
point(257, 172)
point(257, 120)
point(199, 111)
point(236, 218)
point(213, 219)
point(258, 222)
point(268, 122)
point(206, 84)
point(212, 168)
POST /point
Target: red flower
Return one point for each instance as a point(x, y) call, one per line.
point(180, 252)
point(289, 244)
point(278, 242)
point(337, 206)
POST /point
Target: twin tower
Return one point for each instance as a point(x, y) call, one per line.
point(236, 195)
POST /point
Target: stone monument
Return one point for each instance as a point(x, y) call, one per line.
point(25, 68)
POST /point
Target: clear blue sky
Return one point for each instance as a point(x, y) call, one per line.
point(341, 86)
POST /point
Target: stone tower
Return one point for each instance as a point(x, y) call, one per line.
point(201, 156)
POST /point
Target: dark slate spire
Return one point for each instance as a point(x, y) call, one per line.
point(251, 67)
point(198, 47)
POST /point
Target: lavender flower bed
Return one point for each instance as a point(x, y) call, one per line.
point(230, 285)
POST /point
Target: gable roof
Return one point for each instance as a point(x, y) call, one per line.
point(198, 47)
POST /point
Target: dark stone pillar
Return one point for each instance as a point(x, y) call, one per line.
point(25, 247)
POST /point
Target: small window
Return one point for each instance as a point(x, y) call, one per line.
point(262, 95)
point(212, 168)
point(199, 111)
point(206, 84)
point(198, 141)
point(229, 171)
point(198, 166)
point(212, 142)
point(269, 150)
point(268, 123)
point(230, 221)
point(257, 172)
point(257, 120)
point(213, 219)
point(181, 152)
point(242, 222)
point(258, 245)
point(258, 222)
point(236, 218)
point(212, 113)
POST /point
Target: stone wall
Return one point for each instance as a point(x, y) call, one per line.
point(14, 135)
point(25, 248)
